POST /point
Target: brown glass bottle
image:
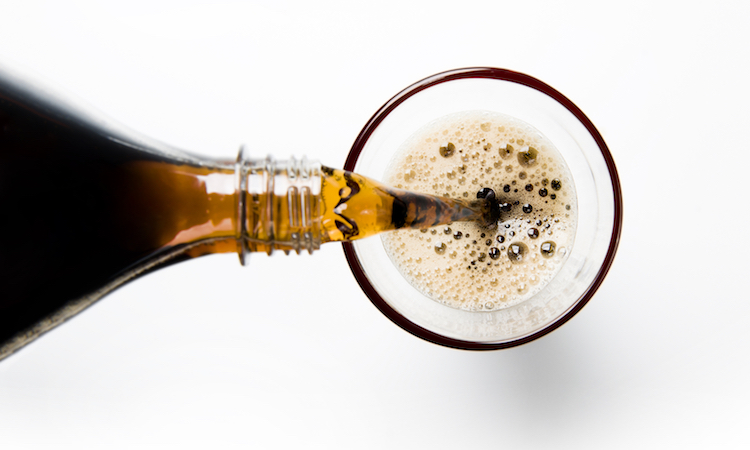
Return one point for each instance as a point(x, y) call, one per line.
point(88, 206)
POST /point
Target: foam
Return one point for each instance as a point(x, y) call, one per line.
point(466, 273)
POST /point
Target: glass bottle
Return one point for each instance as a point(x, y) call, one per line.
point(88, 205)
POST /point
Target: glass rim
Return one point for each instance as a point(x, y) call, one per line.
point(502, 75)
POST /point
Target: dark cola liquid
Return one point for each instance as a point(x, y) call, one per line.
point(80, 210)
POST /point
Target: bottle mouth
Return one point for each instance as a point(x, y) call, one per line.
point(542, 106)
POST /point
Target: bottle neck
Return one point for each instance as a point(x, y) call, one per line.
point(278, 205)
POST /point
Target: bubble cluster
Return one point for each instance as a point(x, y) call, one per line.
point(475, 155)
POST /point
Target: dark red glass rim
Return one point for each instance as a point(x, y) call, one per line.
point(504, 75)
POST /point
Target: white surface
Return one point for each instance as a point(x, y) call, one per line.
point(210, 354)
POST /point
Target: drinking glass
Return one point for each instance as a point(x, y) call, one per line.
point(596, 184)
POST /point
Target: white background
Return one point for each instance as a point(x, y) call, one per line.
point(210, 354)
